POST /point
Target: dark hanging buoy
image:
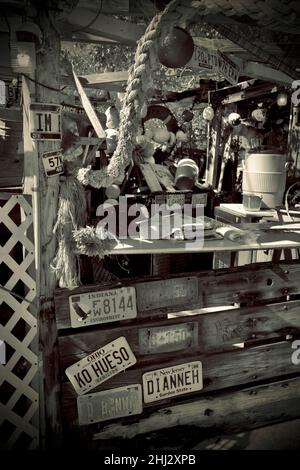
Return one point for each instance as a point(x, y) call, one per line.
point(176, 49)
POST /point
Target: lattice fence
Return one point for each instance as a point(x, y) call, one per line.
point(18, 325)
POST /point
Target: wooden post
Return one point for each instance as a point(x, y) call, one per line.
point(45, 192)
point(214, 139)
point(293, 142)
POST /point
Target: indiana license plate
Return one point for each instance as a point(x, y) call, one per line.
point(102, 307)
point(168, 338)
point(172, 381)
point(101, 365)
point(110, 404)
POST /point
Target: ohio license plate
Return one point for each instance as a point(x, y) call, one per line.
point(168, 338)
point(172, 381)
point(102, 307)
point(101, 365)
point(110, 404)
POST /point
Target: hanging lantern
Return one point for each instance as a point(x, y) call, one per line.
point(282, 99)
point(176, 49)
point(208, 113)
point(24, 40)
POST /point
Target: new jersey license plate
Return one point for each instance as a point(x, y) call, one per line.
point(172, 381)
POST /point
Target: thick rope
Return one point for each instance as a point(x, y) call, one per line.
point(136, 97)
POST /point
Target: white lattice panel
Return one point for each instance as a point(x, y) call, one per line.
point(18, 326)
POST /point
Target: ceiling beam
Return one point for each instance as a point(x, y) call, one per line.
point(104, 26)
point(112, 81)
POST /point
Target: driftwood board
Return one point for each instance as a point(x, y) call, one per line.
point(256, 283)
point(248, 408)
point(220, 371)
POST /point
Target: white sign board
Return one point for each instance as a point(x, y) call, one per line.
point(172, 381)
point(45, 121)
point(52, 162)
point(105, 306)
point(110, 404)
point(101, 365)
point(216, 61)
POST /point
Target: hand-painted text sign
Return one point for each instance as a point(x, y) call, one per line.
point(216, 61)
point(52, 162)
point(168, 338)
point(101, 365)
point(172, 381)
point(110, 404)
point(102, 307)
point(45, 121)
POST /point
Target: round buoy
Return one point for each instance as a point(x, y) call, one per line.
point(187, 115)
point(176, 49)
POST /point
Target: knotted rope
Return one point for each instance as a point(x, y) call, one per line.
point(137, 95)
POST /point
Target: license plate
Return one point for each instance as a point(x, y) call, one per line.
point(52, 162)
point(172, 381)
point(168, 338)
point(110, 404)
point(45, 121)
point(175, 199)
point(167, 293)
point(102, 307)
point(200, 198)
point(101, 365)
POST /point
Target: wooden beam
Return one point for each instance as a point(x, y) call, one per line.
point(114, 81)
point(262, 71)
point(105, 26)
point(248, 408)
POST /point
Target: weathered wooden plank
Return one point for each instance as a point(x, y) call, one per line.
point(214, 148)
point(256, 283)
point(216, 331)
point(114, 81)
point(224, 412)
point(220, 371)
point(150, 177)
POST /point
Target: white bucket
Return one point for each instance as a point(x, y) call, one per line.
point(265, 174)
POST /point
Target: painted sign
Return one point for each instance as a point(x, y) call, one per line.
point(45, 121)
point(101, 365)
point(168, 338)
point(167, 293)
point(216, 61)
point(105, 306)
point(172, 381)
point(110, 404)
point(52, 162)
